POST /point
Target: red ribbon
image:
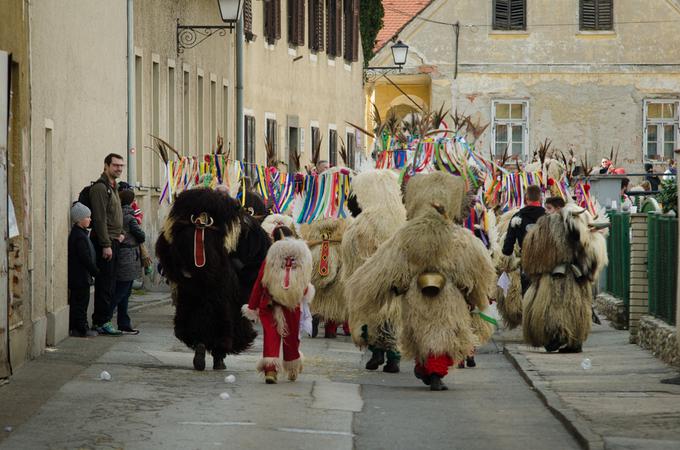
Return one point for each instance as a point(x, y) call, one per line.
point(199, 247)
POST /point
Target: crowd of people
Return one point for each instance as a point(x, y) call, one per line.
point(402, 273)
point(111, 256)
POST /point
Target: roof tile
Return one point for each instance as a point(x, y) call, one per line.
point(398, 13)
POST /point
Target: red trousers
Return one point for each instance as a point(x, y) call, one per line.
point(272, 338)
point(438, 365)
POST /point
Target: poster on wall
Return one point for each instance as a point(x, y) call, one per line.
point(12, 226)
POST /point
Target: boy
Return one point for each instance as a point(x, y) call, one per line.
point(81, 270)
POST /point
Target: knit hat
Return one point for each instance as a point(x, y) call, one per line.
point(79, 212)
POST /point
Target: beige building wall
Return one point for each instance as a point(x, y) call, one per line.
point(78, 106)
point(585, 90)
point(300, 89)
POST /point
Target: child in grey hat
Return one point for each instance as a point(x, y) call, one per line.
point(81, 270)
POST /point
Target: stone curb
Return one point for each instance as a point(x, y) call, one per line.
point(569, 417)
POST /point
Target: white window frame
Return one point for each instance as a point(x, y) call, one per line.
point(271, 116)
point(514, 122)
point(659, 130)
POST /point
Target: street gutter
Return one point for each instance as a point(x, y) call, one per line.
point(570, 418)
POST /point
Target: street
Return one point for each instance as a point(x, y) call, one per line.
point(156, 400)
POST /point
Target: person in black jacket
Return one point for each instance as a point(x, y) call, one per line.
point(81, 270)
point(128, 264)
point(521, 222)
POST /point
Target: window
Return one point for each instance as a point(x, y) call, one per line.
point(333, 147)
point(249, 142)
point(171, 105)
point(661, 129)
point(509, 15)
point(271, 139)
point(296, 22)
point(139, 130)
point(248, 20)
point(272, 21)
point(155, 119)
point(199, 116)
point(350, 150)
point(186, 115)
point(334, 28)
point(316, 139)
point(225, 116)
point(212, 139)
point(316, 25)
point(293, 149)
point(596, 14)
point(510, 129)
point(351, 30)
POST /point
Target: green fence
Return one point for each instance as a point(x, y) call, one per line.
point(662, 266)
point(618, 249)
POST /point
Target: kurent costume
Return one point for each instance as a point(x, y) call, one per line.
point(563, 256)
point(282, 285)
point(376, 204)
point(434, 268)
point(199, 239)
point(277, 220)
point(509, 301)
point(323, 238)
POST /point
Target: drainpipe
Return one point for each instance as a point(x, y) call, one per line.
point(131, 151)
point(239, 89)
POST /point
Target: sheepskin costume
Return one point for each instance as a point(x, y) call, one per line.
point(510, 305)
point(199, 236)
point(323, 238)
point(563, 255)
point(379, 212)
point(278, 220)
point(283, 284)
point(435, 268)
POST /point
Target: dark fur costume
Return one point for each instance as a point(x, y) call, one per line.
point(208, 298)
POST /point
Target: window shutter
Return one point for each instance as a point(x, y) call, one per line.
point(277, 19)
point(316, 25)
point(338, 28)
point(509, 14)
point(248, 19)
point(355, 30)
point(597, 15)
point(347, 38)
point(300, 16)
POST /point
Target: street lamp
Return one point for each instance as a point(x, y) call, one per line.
point(230, 10)
point(399, 55)
point(189, 36)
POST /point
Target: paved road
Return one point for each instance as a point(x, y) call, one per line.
point(155, 400)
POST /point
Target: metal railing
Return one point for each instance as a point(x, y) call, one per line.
point(662, 266)
point(618, 250)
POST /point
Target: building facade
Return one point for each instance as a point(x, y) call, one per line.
point(68, 92)
point(590, 75)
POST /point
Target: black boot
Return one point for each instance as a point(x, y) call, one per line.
point(218, 363)
point(199, 357)
point(376, 360)
point(392, 366)
point(421, 376)
point(315, 326)
point(436, 383)
point(470, 361)
point(553, 345)
point(576, 348)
